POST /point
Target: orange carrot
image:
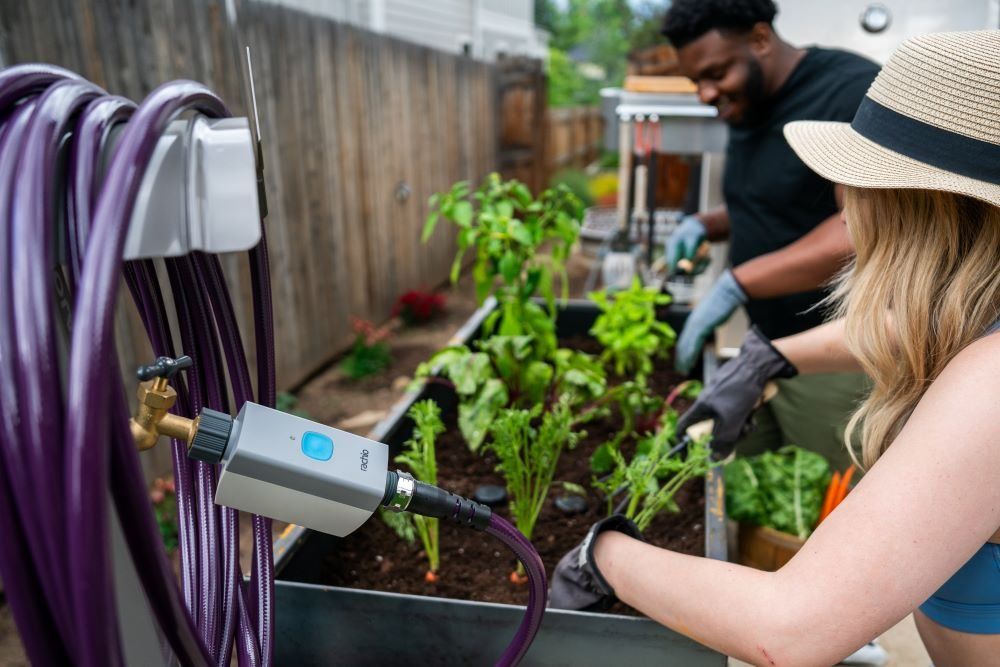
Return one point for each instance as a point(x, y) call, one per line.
point(844, 488)
point(431, 577)
point(518, 579)
point(831, 489)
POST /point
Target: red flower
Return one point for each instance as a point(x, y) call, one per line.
point(417, 307)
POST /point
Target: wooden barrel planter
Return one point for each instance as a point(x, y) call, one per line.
point(766, 548)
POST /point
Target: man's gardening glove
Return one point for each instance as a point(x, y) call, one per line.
point(735, 390)
point(715, 308)
point(683, 242)
point(577, 583)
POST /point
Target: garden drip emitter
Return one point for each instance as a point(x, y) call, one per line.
point(88, 180)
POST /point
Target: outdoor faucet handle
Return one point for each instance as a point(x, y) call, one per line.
point(164, 367)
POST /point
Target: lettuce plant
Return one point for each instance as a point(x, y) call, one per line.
point(782, 490)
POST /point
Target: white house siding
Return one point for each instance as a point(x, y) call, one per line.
point(486, 27)
point(838, 22)
point(522, 10)
point(442, 24)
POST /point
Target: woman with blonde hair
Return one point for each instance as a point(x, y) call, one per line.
point(917, 310)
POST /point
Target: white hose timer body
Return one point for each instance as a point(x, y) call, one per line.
point(293, 469)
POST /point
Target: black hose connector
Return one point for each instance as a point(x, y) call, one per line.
point(428, 500)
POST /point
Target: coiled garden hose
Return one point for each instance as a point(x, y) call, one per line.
point(65, 443)
point(64, 437)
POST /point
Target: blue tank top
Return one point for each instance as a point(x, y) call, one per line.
point(970, 600)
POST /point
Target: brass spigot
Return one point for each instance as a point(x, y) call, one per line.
point(156, 397)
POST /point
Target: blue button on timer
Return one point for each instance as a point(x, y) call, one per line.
point(317, 446)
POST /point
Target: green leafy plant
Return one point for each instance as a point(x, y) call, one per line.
point(629, 331)
point(401, 523)
point(164, 499)
point(286, 402)
point(577, 181)
point(370, 353)
point(528, 456)
point(781, 490)
point(506, 227)
point(419, 457)
point(509, 371)
point(655, 473)
point(640, 411)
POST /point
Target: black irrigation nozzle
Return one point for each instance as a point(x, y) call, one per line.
point(403, 493)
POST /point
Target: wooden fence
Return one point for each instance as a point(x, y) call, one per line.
point(358, 130)
point(535, 141)
point(573, 137)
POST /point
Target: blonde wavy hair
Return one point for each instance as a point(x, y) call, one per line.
point(924, 284)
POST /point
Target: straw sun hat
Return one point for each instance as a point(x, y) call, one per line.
point(930, 120)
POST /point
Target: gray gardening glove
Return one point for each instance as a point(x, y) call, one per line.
point(733, 392)
point(683, 242)
point(715, 308)
point(577, 583)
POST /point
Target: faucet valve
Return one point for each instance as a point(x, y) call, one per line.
point(156, 397)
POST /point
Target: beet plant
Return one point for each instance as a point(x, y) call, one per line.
point(654, 474)
point(419, 457)
point(506, 227)
point(512, 372)
point(629, 331)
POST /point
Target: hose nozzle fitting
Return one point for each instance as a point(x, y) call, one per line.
point(403, 493)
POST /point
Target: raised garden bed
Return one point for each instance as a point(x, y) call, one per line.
point(474, 567)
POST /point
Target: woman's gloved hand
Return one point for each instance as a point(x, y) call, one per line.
point(735, 389)
point(683, 242)
point(577, 583)
point(715, 308)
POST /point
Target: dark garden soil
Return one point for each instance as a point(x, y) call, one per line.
point(474, 566)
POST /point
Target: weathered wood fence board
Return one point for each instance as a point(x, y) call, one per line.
point(347, 117)
point(574, 137)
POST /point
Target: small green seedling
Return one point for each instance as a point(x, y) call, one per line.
point(528, 457)
point(419, 457)
point(654, 474)
point(629, 331)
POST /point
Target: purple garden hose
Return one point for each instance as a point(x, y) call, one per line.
point(60, 456)
point(54, 470)
point(537, 588)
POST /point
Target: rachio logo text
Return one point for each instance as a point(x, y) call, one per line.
point(364, 459)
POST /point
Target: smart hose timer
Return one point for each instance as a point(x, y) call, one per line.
point(293, 469)
point(278, 465)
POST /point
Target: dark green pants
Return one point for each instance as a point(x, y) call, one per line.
point(810, 411)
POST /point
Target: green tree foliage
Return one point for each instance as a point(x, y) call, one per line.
point(602, 32)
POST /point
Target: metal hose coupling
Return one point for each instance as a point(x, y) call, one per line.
point(403, 493)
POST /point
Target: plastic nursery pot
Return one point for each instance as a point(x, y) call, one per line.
point(321, 625)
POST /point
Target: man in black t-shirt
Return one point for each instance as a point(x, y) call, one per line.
point(781, 218)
